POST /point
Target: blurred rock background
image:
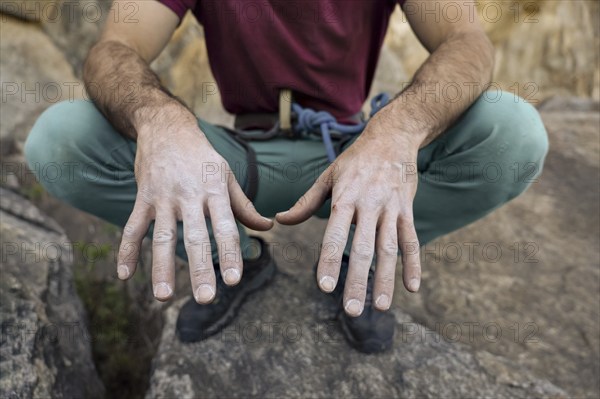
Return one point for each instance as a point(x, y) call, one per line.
point(543, 48)
point(543, 294)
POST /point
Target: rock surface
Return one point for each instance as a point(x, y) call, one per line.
point(22, 9)
point(542, 290)
point(292, 348)
point(533, 307)
point(44, 346)
point(545, 302)
point(34, 76)
point(558, 63)
point(76, 25)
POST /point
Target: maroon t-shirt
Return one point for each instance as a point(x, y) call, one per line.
point(326, 51)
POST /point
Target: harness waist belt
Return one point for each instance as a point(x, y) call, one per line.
point(295, 121)
point(266, 120)
point(258, 120)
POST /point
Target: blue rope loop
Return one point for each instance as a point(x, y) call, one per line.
point(308, 120)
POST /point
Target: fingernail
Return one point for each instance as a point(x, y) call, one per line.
point(123, 272)
point(162, 290)
point(383, 301)
point(282, 213)
point(205, 293)
point(414, 284)
point(231, 276)
point(267, 219)
point(327, 283)
point(353, 307)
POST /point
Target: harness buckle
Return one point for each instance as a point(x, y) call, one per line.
point(285, 113)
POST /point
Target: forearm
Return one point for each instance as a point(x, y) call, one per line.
point(449, 81)
point(128, 92)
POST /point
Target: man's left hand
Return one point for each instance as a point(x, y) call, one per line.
point(372, 184)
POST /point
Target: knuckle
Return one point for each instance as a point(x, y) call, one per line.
point(386, 281)
point(186, 188)
point(129, 247)
point(163, 236)
point(414, 269)
point(375, 199)
point(192, 211)
point(410, 248)
point(361, 256)
point(146, 195)
point(201, 272)
point(161, 270)
point(362, 251)
point(128, 252)
point(406, 219)
point(248, 205)
point(411, 265)
point(337, 234)
point(131, 230)
point(302, 201)
point(196, 237)
point(341, 207)
point(228, 243)
point(226, 228)
point(357, 284)
point(214, 191)
point(389, 249)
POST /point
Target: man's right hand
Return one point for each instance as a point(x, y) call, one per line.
point(181, 177)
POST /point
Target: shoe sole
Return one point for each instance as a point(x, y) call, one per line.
point(368, 346)
point(262, 279)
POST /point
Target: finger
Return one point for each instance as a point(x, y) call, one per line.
point(197, 246)
point(163, 254)
point(387, 257)
point(361, 256)
point(244, 210)
point(131, 243)
point(309, 203)
point(409, 246)
point(228, 240)
point(334, 243)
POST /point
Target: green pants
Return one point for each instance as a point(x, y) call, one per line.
point(489, 156)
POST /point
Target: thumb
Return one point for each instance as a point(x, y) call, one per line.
point(244, 210)
point(307, 205)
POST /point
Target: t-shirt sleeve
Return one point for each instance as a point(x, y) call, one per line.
point(180, 7)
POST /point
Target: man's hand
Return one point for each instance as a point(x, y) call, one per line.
point(374, 181)
point(371, 184)
point(181, 177)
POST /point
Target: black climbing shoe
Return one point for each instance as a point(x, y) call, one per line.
point(373, 330)
point(197, 322)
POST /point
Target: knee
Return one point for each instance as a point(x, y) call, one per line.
point(522, 125)
point(516, 141)
point(514, 127)
point(497, 148)
point(50, 134)
point(60, 139)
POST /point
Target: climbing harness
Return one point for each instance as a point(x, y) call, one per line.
point(295, 121)
point(308, 120)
